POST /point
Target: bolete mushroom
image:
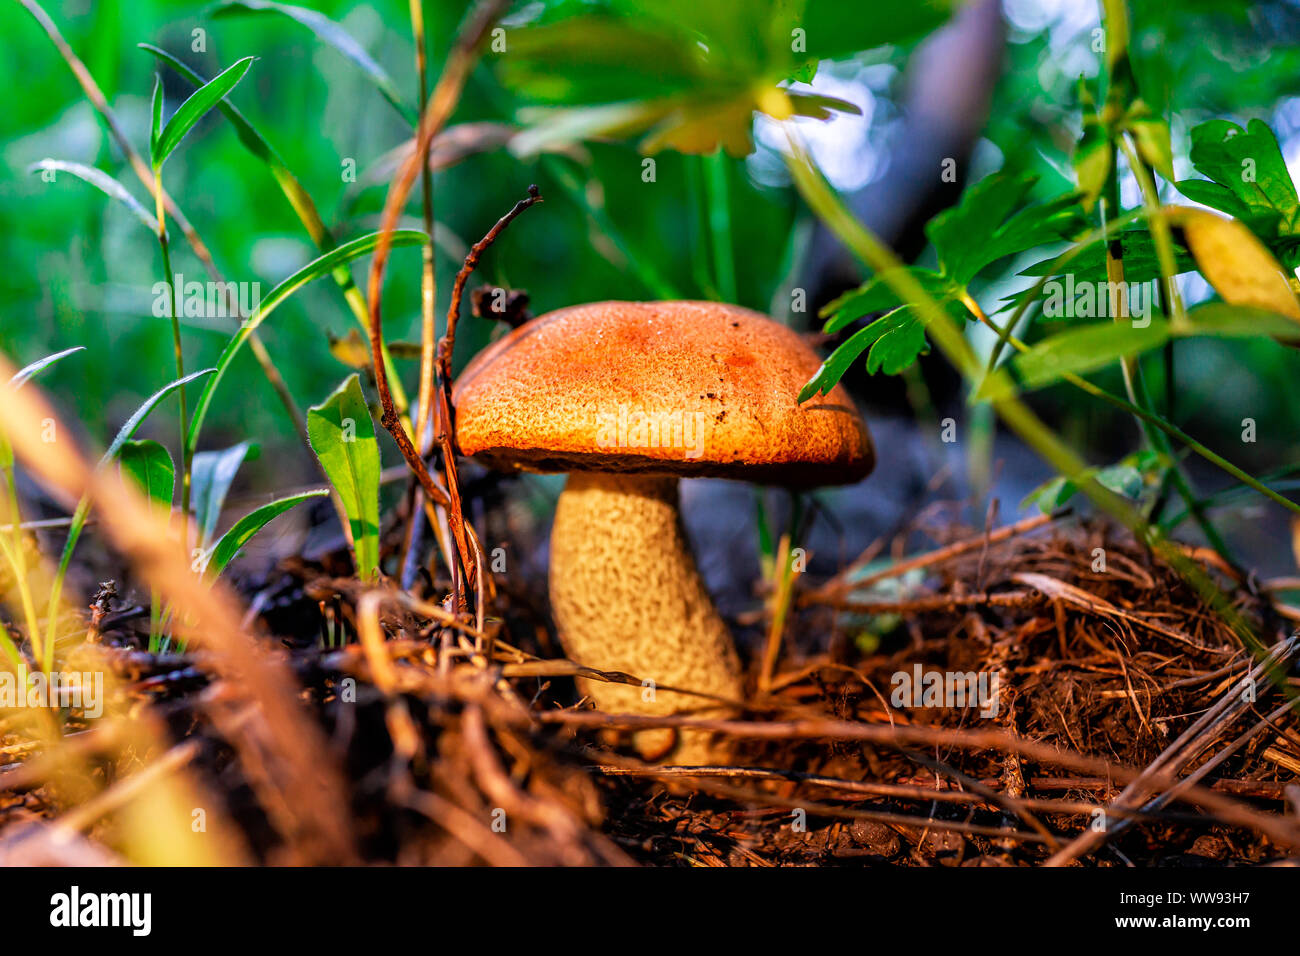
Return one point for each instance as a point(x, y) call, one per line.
point(628, 397)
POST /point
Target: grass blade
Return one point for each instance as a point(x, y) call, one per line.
point(24, 374)
point(313, 270)
point(193, 109)
point(342, 433)
point(233, 541)
point(124, 434)
point(331, 33)
point(211, 477)
point(103, 182)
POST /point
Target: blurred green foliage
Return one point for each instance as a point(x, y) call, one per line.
point(80, 271)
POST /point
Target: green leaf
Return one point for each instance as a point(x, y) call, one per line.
point(343, 436)
point(1139, 253)
point(1248, 166)
point(1085, 349)
point(1092, 154)
point(155, 115)
point(216, 558)
point(331, 33)
point(24, 374)
point(150, 466)
point(876, 294)
point(124, 434)
point(103, 182)
point(985, 226)
point(212, 473)
point(895, 340)
point(1222, 320)
point(313, 270)
point(1051, 494)
point(194, 109)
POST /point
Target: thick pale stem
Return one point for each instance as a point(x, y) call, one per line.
point(627, 597)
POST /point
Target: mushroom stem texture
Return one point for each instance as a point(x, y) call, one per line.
point(627, 597)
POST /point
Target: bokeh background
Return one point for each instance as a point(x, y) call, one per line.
point(996, 88)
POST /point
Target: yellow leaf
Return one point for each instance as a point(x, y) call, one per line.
point(353, 351)
point(1237, 264)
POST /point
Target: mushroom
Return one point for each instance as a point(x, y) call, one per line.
point(628, 397)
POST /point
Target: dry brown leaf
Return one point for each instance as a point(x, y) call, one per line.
point(1235, 262)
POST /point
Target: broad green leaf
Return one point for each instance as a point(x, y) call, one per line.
point(1085, 349)
point(150, 466)
point(1221, 320)
point(24, 374)
point(241, 532)
point(212, 473)
point(103, 182)
point(1250, 182)
point(194, 109)
point(1051, 494)
point(343, 436)
point(331, 33)
point(313, 270)
point(689, 74)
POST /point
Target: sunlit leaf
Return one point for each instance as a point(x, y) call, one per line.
point(313, 270)
point(220, 555)
point(1235, 263)
point(103, 182)
point(342, 434)
point(212, 473)
point(1085, 349)
point(194, 109)
point(150, 466)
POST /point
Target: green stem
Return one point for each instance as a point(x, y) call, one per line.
point(719, 193)
point(186, 457)
point(950, 340)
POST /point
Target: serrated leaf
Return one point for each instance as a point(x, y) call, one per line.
point(332, 34)
point(308, 273)
point(1235, 263)
point(876, 294)
point(903, 336)
point(242, 531)
point(149, 465)
point(212, 473)
point(342, 434)
point(985, 226)
point(103, 182)
point(194, 109)
point(1249, 166)
point(1085, 349)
